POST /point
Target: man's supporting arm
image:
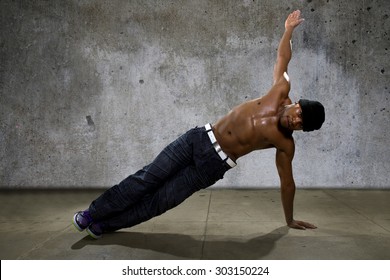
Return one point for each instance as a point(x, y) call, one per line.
point(287, 186)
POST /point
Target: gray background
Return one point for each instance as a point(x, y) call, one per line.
point(90, 91)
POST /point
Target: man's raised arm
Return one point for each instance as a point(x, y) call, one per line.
point(284, 49)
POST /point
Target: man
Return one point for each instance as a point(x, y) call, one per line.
point(202, 155)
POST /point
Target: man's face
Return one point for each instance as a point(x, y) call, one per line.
point(292, 117)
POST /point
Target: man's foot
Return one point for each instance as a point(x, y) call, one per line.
point(82, 220)
point(95, 231)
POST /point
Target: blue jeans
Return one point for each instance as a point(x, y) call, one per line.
point(188, 164)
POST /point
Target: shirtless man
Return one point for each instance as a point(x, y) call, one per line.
point(202, 155)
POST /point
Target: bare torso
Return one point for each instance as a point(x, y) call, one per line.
point(254, 125)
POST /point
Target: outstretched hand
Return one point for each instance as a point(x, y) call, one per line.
point(293, 20)
point(301, 225)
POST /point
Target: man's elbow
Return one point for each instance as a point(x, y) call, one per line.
point(284, 57)
point(287, 185)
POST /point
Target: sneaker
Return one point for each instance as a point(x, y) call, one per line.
point(95, 231)
point(82, 220)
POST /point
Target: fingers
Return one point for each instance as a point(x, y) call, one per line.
point(293, 14)
point(311, 226)
point(294, 19)
point(301, 225)
point(307, 225)
point(296, 15)
point(297, 226)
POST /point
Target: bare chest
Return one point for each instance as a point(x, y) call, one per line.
point(264, 131)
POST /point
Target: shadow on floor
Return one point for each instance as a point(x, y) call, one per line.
point(191, 247)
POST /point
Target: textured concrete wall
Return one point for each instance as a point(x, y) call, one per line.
point(92, 90)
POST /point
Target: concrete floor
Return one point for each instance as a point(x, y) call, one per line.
point(212, 224)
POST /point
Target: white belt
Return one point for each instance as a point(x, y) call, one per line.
point(217, 147)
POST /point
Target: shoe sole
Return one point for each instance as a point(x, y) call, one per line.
point(94, 236)
point(75, 223)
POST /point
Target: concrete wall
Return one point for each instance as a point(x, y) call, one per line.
point(92, 90)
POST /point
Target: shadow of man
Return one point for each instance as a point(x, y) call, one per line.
point(219, 247)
